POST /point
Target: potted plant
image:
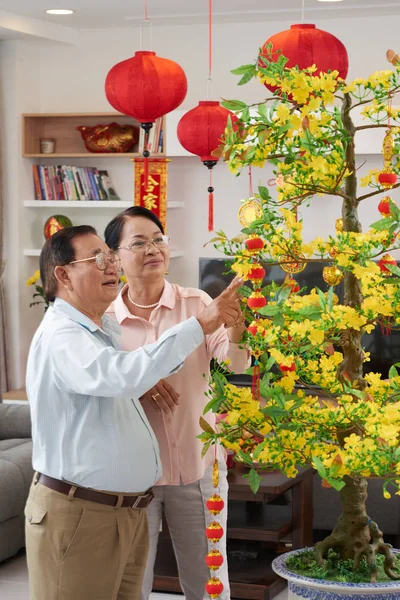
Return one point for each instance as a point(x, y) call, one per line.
point(350, 429)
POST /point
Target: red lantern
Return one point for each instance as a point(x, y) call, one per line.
point(384, 206)
point(214, 587)
point(256, 301)
point(304, 46)
point(387, 259)
point(253, 329)
point(256, 275)
point(214, 532)
point(292, 283)
point(214, 560)
point(146, 87)
point(254, 244)
point(215, 504)
point(200, 131)
point(285, 369)
point(387, 178)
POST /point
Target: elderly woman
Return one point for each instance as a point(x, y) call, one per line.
point(145, 308)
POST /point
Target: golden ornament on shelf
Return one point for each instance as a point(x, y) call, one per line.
point(109, 138)
point(339, 225)
point(249, 211)
point(289, 264)
point(332, 275)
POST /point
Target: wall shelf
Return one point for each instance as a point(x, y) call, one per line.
point(88, 204)
point(32, 252)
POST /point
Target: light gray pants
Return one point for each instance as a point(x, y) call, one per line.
point(187, 517)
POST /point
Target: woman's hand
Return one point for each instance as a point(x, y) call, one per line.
point(162, 397)
point(235, 333)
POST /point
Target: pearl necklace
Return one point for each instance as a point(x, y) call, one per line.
point(141, 305)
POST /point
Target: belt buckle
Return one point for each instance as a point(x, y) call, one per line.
point(137, 502)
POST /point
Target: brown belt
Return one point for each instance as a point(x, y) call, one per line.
point(134, 501)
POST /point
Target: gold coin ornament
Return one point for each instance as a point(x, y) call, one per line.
point(333, 251)
point(291, 265)
point(339, 225)
point(249, 211)
point(332, 275)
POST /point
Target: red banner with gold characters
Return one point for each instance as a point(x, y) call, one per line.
point(154, 195)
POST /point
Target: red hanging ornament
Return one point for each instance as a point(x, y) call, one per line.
point(215, 504)
point(256, 275)
point(214, 559)
point(387, 259)
point(384, 206)
point(146, 87)
point(214, 532)
point(387, 178)
point(200, 131)
point(286, 369)
point(214, 587)
point(292, 283)
point(253, 329)
point(256, 300)
point(304, 45)
point(254, 244)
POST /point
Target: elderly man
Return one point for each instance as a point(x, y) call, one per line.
point(86, 530)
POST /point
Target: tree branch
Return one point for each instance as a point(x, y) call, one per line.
point(375, 126)
point(371, 194)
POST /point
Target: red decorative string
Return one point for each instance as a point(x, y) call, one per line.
point(209, 38)
point(146, 14)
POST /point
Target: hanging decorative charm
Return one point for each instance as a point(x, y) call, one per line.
point(291, 265)
point(254, 244)
point(256, 301)
point(214, 533)
point(387, 178)
point(332, 275)
point(249, 211)
point(292, 283)
point(256, 275)
point(384, 206)
point(339, 225)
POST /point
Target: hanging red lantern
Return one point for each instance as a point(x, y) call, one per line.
point(253, 329)
point(146, 87)
point(384, 206)
point(285, 369)
point(215, 504)
point(256, 300)
point(254, 244)
point(214, 559)
point(214, 531)
point(305, 45)
point(200, 131)
point(256, 275)
point(214, 587)
point(292, 283)
point(387, 259)
point(387, 178)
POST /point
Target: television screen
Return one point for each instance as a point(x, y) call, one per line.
point(384, 349)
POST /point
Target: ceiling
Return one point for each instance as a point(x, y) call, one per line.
point(99, 14)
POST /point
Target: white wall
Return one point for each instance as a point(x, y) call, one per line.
point(39, 77)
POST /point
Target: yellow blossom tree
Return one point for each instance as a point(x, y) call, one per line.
point(351, 430)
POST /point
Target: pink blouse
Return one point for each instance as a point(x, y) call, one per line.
point(176, 431)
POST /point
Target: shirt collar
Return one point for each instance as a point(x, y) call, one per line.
point(122, 312)
point(74, 314)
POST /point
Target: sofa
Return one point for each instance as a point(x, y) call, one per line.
point(15, 475)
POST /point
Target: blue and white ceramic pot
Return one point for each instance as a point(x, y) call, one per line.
point(317, 589)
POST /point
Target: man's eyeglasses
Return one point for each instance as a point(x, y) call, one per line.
point(102, 260)
point(161, 241)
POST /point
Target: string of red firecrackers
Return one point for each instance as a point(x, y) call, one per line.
point(214, 532)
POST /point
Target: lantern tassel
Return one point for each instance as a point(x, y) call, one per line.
point(255, 383)
point(146, 172)
point(210, 204)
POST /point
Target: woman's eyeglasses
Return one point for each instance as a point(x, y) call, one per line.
point(102, 260)
point(161, 241)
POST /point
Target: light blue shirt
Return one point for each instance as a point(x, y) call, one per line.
point(88, 426)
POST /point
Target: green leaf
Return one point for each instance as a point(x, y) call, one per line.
point(206, 426)
point(247, 77)
point(259, 449)
point(205, 448)
point(267, 362)
point(262, 110)
point(243, 69)
point(382, 224)
point(319, 466)
point(393, 372)
point(264, 192)
point(254, 480)
point(311, 312)
point(245, 458)
point(220, 382)
point(234, 105)
point(322, 298)
point(270, 311)
point(393, 269)
point(337, 484)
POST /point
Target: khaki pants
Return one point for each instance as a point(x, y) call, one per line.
point(81, 550)
point(188, 517)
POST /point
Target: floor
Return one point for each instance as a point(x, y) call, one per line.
point(14, 582)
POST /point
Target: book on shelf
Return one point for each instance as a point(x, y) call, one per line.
point(63, 182)
point(156, 135)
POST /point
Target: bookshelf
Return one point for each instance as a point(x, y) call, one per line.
point(117, 204)
point(69, 142)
